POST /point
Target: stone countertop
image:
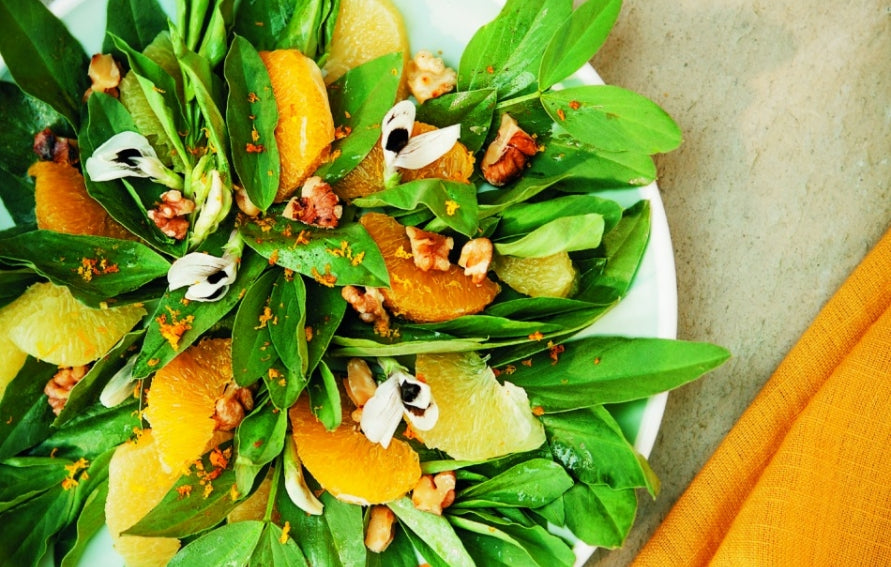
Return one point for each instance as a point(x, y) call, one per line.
point(782, 185)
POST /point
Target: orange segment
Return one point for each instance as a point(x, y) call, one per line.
point(347, 464)
point(63, 205)
point(368, 176)
point(546, 276)
point(136, 484)
point(365, 30)
point(416, 295)
point(305, 127)
point(182, 401)
point(48, 323)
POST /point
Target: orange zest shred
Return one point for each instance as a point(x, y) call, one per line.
point(286, 531)
point(175, 329)
point(327, 279)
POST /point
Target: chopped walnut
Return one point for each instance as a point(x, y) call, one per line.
point(369, 305)
point(380, 531)
point(244, 203)
point(318, 205)
point(430, 250)
point(105, 73)
point(170, 215)
point(428, 76)
point(506, 156)
point(231, 408)
point(50, 147)
point(59, 387)
point(434, 493)
point(476, 255)
point(359, 383)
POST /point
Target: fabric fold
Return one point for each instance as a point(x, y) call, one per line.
point(804, 477)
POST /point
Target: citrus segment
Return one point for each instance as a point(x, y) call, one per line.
point(63, 205)
point(368, 177)
point(305, 126)
point(479, 418)
point(347, 464)
point(12, 357)
point(136, 484)
point(548, 276)
point(48, 323)
point(417, 295)
point(365, 30)
point(254, 507)
point(182, 401)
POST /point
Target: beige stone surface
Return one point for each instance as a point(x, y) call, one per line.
point(782, 185)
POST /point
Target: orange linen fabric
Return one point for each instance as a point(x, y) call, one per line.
point(804, 477)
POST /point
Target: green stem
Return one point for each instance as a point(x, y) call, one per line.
point(518, 100)
point(273, 491)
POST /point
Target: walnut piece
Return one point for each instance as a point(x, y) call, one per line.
point(434, 493)
point(428, 76)
point(429, 250)
point(369, 305)
point(506, 156)
point(318, 205)
point(50, 147)
point(359, 383)
point(231, 408)
point(105, 73)
point(59, 387)
point(476, 256)
point(380, 531)
point(170, 215)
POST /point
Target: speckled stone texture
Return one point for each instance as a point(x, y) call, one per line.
point(782, 185)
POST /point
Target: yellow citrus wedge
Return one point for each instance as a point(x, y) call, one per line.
point(48, 323)
point(548, 276)
point(479, 418)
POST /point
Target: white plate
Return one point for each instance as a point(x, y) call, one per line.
point(445, 26)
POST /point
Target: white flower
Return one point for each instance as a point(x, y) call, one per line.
point(402, 150)
point(119, 388)
point(295, 482)
point(129, 154)
point(207, 277)
point(400, 395)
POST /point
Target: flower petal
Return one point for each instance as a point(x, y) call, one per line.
point(414, 393)
point(206, 291)
point(423, 420)
point(396, 129)
point(426, 148)
point(295, 482)
point(197, 267)
point(119, 387)
point(382, 413)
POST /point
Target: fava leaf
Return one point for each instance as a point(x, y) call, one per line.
point(276, 548)
point(28, 528)
point(287, 304)
point(522, 218)
point(340, 256)
point(231, 544)
point(434, 530)
point(262, 22)
point(260, 437)
point(599, 514)
point(347, 529)
point(90, 521)
point(251, 116)
point(92, 433)
point(577, 40)
point(25, 416)
point(529, 484)
point(283, 385)
point(472, 109)
point(322, 321)
point(43, 57)
point(453, 202)
point(23, 478)
point(13, 283)
point(310, 28)
point(612, 119)
point(359, 100)
point(537, 545)
point(95, 269)
point(324, 397)
point(564, 234)
point(136, 22)
point(252, 351)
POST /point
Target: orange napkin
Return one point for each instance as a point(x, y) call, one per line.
point(804, 477)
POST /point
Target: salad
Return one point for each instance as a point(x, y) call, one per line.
point(282, 289)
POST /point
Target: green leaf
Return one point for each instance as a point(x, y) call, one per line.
point(341, 256)
point(287, 303)
point(181, 516)
point(43, 57)
point(359, 100)
point(453, 202)
point(262, 22)
point(523, 218)
point(564, 234)
point(28, 528)
point(260, 437)
point(577, 40)
point(487, 536)
point(207, 90)
point(92, 433)
point(613, 119)
point(322, 321)
point(272, 551)
point(310, 28)
point(95, 268)
point(90, 520)
point(13, 283)
point(157, 350)
point(251, 116)
point(472, 109)
point(590, 444)
point(601, 370)
point(23, 478)
point(137, 22)
point(214, 42)
point(434, 530)
point(252, 351)
point(324, 397)
point(529, 484)
point(21, 117)
point(599, 514)
point(284, 385)
point(506, 53)
point(231, 544)
point(399, 553)
point(25, 415)
point(347, 530)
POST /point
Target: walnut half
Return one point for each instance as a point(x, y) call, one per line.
point(429, 250)
point(434, 493)
point(476, 256)
point(506, 156)
point(59, 387)
point(428, 76)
